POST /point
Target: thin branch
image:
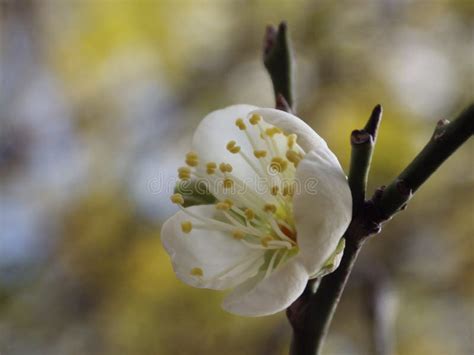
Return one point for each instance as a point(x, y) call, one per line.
point(277, 58)
point(366, 222)
point(363, 142)
point(311, 327)
point(446, 138)
point(311, 314)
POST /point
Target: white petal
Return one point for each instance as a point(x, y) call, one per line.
point(224, 261)
point(213, 134)
point(260, 297)
point(308, 139)
point(322, 207)
point(333, 262)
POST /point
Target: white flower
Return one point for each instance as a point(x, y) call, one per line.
point(283, 204)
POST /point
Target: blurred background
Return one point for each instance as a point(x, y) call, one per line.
point(98, 100)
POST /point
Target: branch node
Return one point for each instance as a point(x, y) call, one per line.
point(360, 136)
point(404, 189)
point(440, 129)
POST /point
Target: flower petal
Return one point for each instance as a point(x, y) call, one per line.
point(215, 131)
point(308, 139)
point(322, 207)
point(263, 296)
point(333, 262)
point(223, 261)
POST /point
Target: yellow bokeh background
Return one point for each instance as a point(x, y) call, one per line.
point(98, 102)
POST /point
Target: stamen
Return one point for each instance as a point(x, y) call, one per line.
point(272, 131)
point(260, 153)
point(247, 228)
point(196, 271)
point(269, 207)
point(238, 234)
point(186, 226)
point(211, 168)
point(177, 199)
point(224, 205)
point(264, 241)
point(291, 140)
point(289, 189)
point(192, 159)
point(225, 168)
point(228, 183)
point(249, 213)
point(255, 119)
point(184, 173)
point(293, 157)
point(278, 164)
point(232, 147)
point(240, 123)
point(272, 263)
point(274, 190)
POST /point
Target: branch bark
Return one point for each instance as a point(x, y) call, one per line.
point(311, 314)
point(447, 138)
point(310, 329)
point(278, 60)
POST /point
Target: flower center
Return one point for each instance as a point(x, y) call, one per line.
point(259, 218)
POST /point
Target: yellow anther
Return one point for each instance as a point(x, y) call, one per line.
point(260, 153)
point(250, 214)
point(264, 241)
point(184, 173)
point(232, 147)
point(221, 206)
point(293, 157)
point(184, 169)
point(228, 183)
point(186, 226)
point(238, 234)
point(228, 202)
point(291, 140)
point(177, 199)
point(272, 131)
point(211, 168)
point(192, 159)
point(269, 207)
point(289, 190)
point(255, 119)
point(224, 205)
point(240, 123)
point(278, 164)
point(196, 271)
point(225, 168)
point(274, 190)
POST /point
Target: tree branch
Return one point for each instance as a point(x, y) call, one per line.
point(310, 329)
point(446, 138)
point(277, 58)
point(311, 314)
point(366, 222)
point(363, 142)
